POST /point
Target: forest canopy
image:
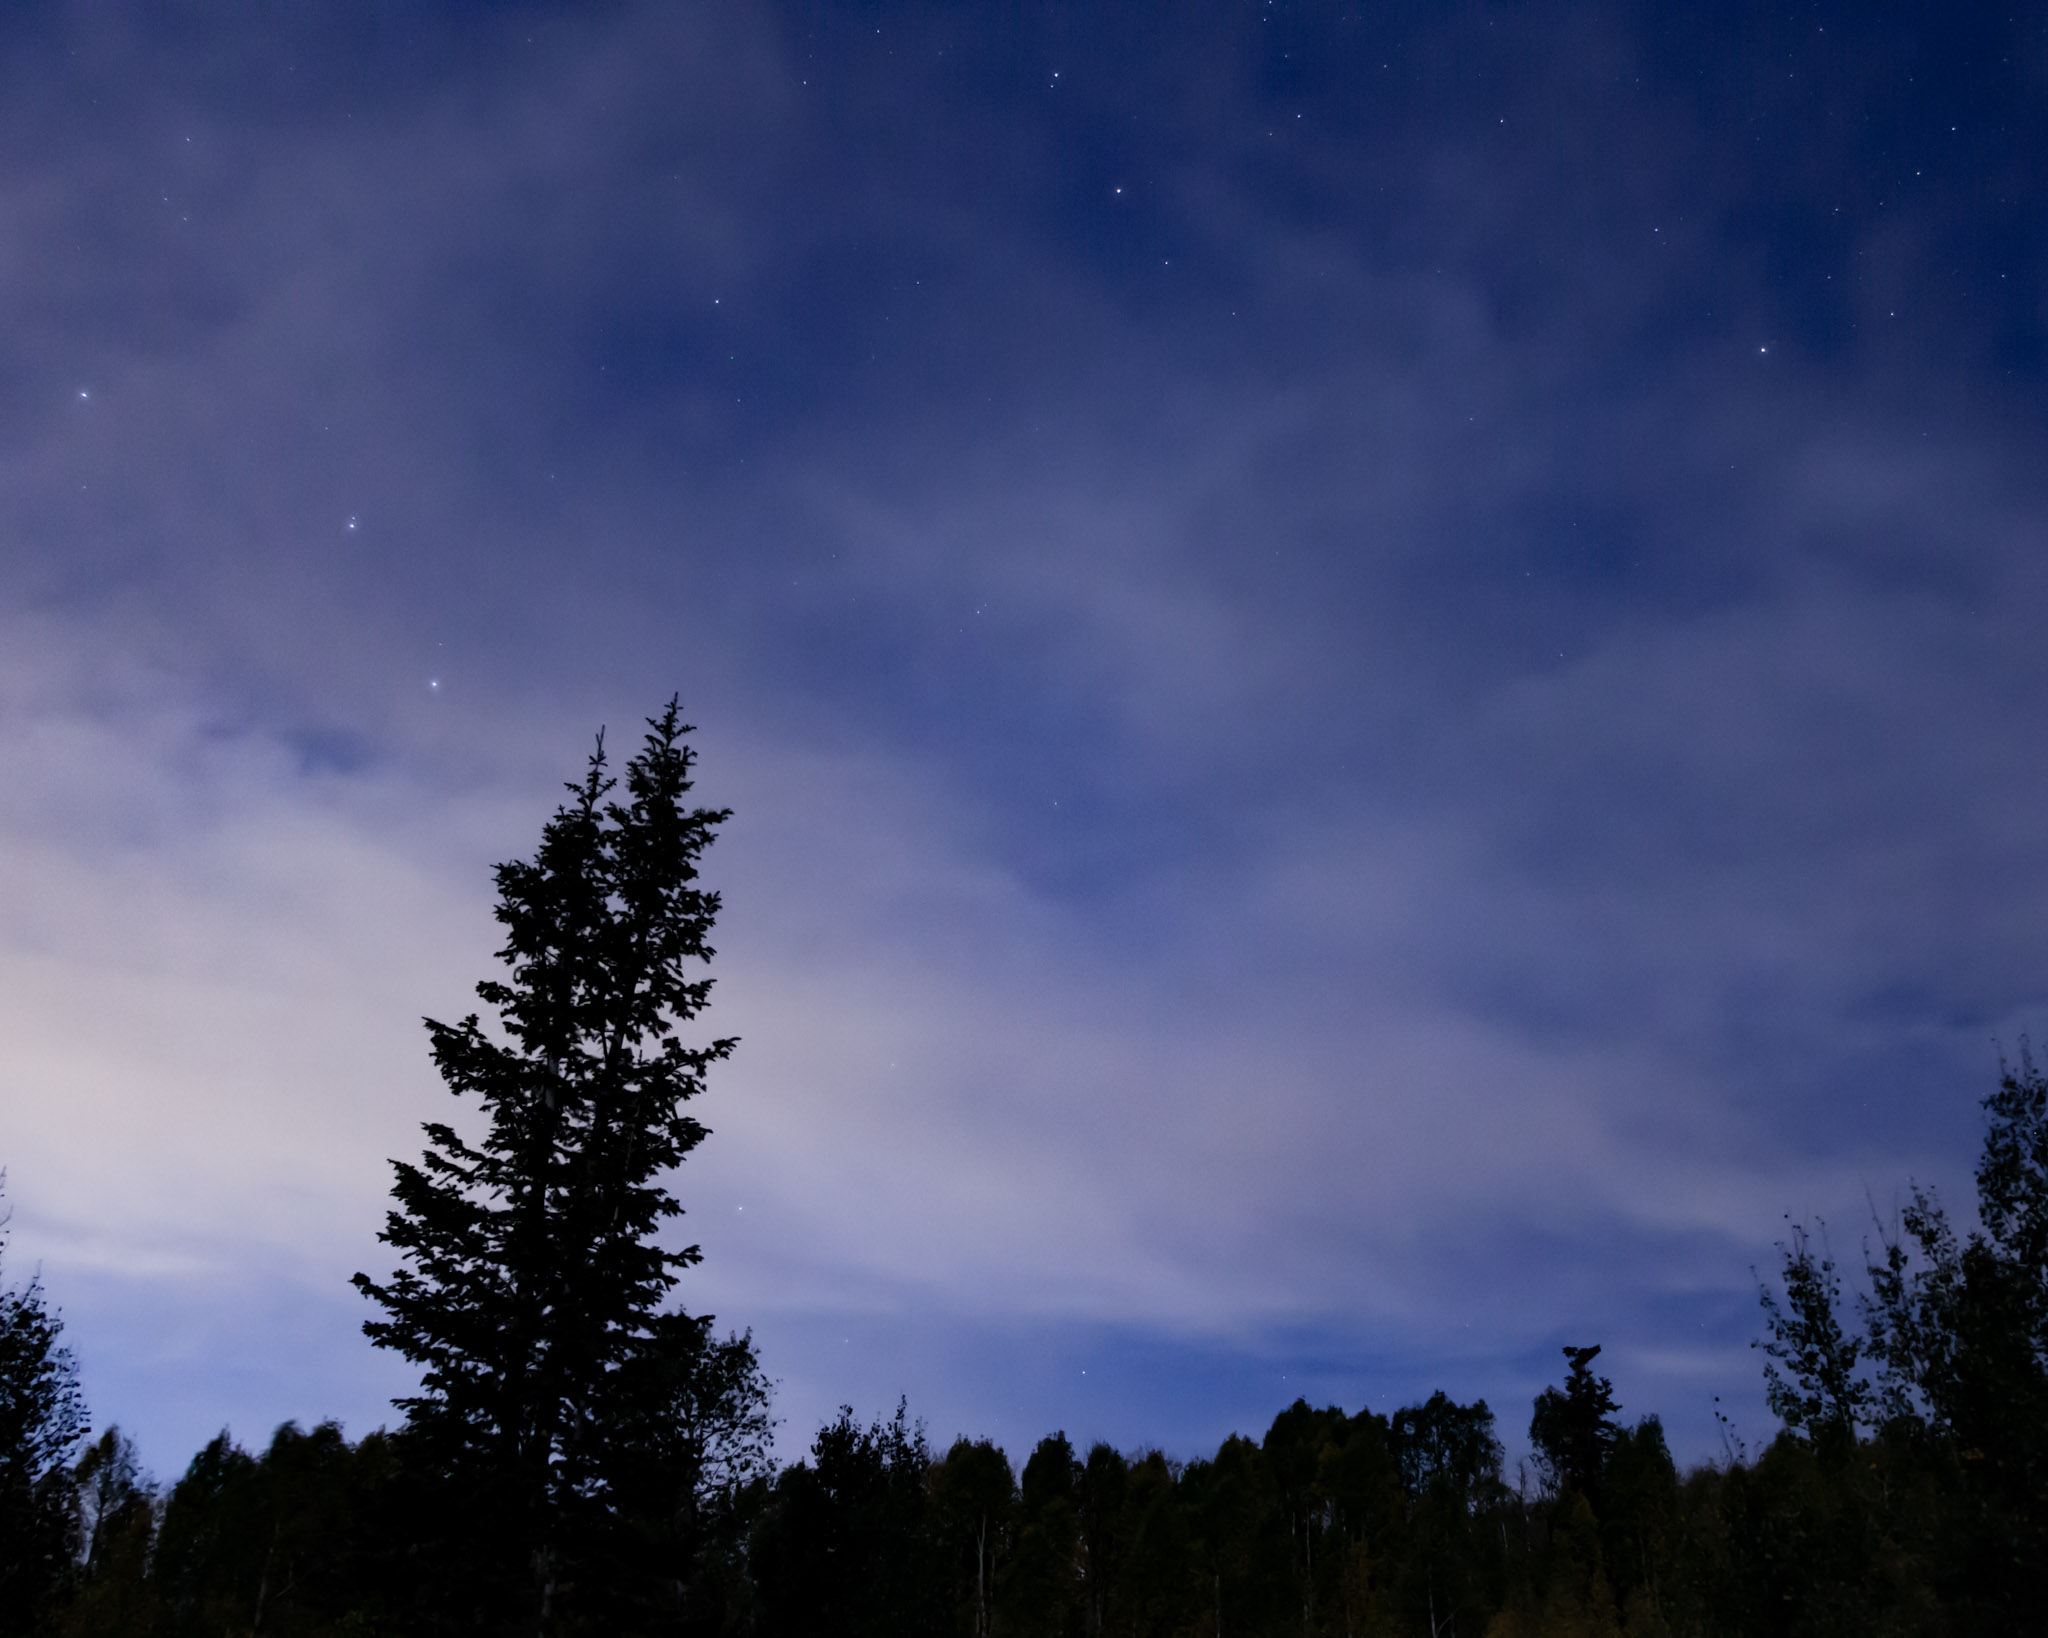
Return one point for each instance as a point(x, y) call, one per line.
point(585, 1455)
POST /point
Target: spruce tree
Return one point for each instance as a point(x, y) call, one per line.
point(532, 1290)
point(1573, 1430)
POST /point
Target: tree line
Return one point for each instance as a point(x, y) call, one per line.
point(583, 1456)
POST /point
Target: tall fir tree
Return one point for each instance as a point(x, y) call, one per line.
point(532, 1290)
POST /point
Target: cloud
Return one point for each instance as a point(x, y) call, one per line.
point(1382, 745)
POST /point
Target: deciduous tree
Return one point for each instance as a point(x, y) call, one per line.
point(42, 1420)
point(1819, 1390)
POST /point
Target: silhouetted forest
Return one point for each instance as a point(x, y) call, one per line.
point(583, 1457)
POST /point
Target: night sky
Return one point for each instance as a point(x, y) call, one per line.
point(1380, 668)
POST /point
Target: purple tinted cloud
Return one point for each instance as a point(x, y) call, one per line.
point(1377, 680)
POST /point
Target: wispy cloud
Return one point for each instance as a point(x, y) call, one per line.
point(1358, 731)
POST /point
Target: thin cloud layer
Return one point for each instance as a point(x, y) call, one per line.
point(1376, 678)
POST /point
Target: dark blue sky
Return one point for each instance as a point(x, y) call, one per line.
point(1378, 667)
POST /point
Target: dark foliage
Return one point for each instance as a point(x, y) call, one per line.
point(561, 1402)
point(974, 1505)
point(1573, 1429)
point(1959, 1328)
point(42, 1419)
point(1040, 1584)
point(1939, 1521)
point(584, 1458)
point(845, 1542)
point(1819, 1391)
